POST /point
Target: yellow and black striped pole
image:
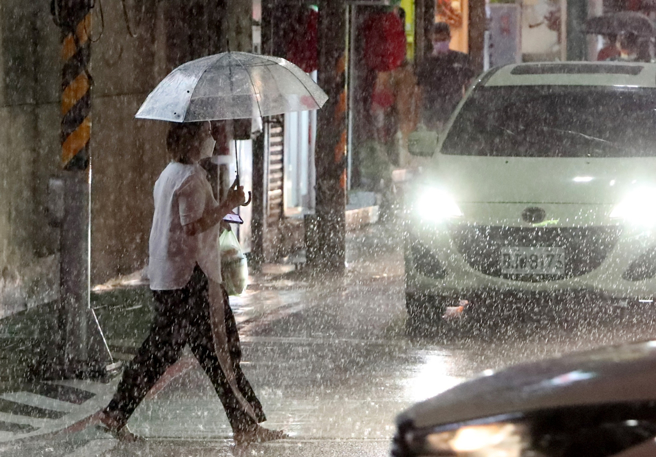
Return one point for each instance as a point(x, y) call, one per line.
point(75, 22)
point(82, 350)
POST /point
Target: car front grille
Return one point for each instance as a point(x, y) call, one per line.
point(425, 261)
point(644, 267)
point(585, 247)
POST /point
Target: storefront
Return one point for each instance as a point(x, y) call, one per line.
point(456, 14)
point(289, 29)
point(555, 29)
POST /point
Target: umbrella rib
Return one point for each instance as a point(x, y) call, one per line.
point(259, 108)
point(274, 63)
point(304, 85)
point(299, 80)
point(225, 54)
point(274, 79)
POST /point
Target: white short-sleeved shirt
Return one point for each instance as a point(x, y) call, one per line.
point(182, 195)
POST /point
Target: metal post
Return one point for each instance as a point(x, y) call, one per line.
point(85, 349)
point(477, 28)
point(327, 249)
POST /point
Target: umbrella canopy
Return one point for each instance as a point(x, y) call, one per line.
point(616, 23)
point(232, 85)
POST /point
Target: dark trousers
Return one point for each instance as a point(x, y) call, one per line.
point(182, 316)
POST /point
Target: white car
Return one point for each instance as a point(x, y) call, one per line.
point(544, 180)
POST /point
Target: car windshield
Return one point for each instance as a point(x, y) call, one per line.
point(556, 121)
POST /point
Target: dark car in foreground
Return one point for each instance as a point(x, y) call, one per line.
point(594, 404)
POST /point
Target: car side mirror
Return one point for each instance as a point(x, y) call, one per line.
point(422, 142)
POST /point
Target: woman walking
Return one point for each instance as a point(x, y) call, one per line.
point(191, 306)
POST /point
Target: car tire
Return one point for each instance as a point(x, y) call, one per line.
point(424, 314)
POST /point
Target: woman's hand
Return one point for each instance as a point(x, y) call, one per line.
point(236, 196)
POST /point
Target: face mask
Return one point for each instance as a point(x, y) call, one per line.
point(207, 148)
point(440, 47)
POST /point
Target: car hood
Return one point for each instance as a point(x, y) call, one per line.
point(610, 375)
point(541, 180)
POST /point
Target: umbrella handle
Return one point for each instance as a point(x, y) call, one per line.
point(248, 202)
point(250, 194)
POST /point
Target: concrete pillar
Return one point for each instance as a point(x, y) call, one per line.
point(327, 247)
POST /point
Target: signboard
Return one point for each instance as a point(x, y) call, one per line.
point(504, 46)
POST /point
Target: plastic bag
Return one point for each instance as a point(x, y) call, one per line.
point(234, 267)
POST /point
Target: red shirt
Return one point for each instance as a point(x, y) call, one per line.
point(608, 52)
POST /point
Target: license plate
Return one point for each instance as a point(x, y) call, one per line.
point(532, 261)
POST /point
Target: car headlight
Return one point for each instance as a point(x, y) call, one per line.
point(498, 439)
point(436, 205)
point(637, 208)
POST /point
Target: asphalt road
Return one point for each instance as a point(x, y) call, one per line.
point(336, 365)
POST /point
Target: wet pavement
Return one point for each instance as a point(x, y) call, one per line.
point(333, 364)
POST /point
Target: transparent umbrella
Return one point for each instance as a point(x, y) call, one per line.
point(616, 23)
point(232, 85)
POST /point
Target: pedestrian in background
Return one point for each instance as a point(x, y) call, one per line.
point(633, 48)
point(442, 77)
point(610, 49)
point(185, 276)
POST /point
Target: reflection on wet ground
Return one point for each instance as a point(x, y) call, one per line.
point(335, 365)
point(342, 365)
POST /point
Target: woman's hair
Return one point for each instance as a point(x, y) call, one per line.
point(180, 138)
point(441, 28)
point(629, 41)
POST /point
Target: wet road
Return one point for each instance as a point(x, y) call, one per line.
point(336, 365)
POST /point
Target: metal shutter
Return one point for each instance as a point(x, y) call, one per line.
point(276, 177)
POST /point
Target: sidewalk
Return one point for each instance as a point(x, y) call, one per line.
point(31, 408)
point(124, 307)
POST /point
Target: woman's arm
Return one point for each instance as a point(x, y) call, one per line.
point(234, 199)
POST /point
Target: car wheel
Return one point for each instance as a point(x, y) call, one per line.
point(424, 313)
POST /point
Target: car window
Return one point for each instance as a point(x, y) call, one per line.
point(555, 121)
